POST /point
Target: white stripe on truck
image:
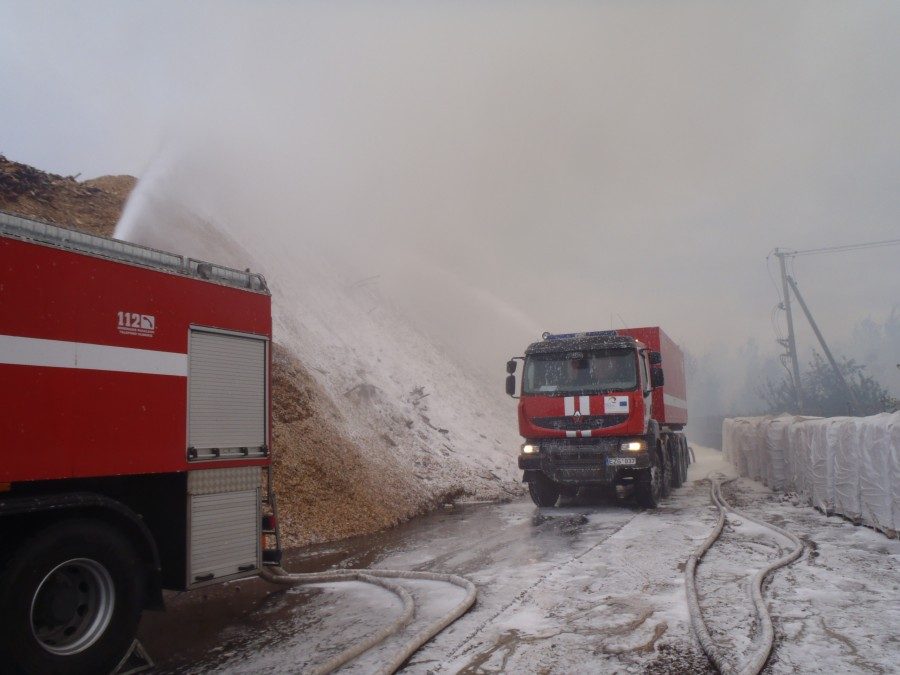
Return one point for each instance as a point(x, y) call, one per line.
point(668, 399)
point(25, 351)
point(584, 405)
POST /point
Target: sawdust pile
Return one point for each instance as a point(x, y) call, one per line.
point(91, 205)
point(327, 487)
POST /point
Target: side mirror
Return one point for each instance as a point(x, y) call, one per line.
point(657, 378)
point(511, 366)
point(511, 385)
point(655, 358)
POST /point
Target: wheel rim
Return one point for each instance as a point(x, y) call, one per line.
point(72, 606)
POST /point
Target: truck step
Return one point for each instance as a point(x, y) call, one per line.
point(272, 556)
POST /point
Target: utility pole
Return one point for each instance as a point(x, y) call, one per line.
point(791, 341)
point(788, 284)
point(837, 371)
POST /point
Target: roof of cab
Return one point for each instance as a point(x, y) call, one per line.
point(578, 342)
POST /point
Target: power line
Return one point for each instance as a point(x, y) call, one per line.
point(839, 249)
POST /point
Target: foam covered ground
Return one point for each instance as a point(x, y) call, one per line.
point(586, 588)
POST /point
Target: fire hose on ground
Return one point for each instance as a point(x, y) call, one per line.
point(277, 575)
point(755, 664)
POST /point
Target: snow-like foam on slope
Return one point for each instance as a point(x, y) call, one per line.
point(396, 390)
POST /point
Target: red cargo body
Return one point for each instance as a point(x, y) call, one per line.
point(669, 400)
point(84, 392)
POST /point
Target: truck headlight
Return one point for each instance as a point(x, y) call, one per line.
point(529, 449)
point(634, 446)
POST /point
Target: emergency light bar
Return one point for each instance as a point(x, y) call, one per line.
point(566, 336)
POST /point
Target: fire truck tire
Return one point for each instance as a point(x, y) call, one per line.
point(648, 489)
point(676, 455)
point(70, 598)
point(544, 492)
point(667, 468)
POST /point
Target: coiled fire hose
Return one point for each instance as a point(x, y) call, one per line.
point(755, 664)
point(277, 575)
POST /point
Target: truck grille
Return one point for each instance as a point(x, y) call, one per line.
point(579, 423)
point(576, 462)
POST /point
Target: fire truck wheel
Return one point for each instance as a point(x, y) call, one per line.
point(667, 468)
point(648, 488)
point(70, 598)
point(676, 472)
point(677, 465)
point(543, 491)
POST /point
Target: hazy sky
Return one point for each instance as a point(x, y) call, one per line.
point(506, 167)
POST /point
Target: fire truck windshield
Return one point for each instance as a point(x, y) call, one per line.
point(580, 372)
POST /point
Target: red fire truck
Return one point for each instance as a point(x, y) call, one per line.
point(135, 432)
point(597, 409)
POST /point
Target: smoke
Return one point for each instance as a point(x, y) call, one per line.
point(498, 169)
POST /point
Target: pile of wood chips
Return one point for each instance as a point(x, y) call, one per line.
point(92, 205)
point(327, 487)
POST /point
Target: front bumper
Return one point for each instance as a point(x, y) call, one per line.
point(588, 461)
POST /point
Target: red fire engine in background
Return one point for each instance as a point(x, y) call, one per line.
point(597, 409)
point(135, 431)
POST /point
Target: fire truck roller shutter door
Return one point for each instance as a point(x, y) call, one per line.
point(224, 523)
point(227, 389)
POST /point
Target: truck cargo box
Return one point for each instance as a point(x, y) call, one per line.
point(670, 400)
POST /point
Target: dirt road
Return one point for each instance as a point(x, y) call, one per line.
point(578, 588)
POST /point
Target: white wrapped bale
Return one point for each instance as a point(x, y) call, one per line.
point(894, 435)
point(821, 461)
point(748, 445)
point(733, 439)
point(757, 458)
point(845, 439)
point(726, 442)
point(741, 446)
point(845, 465)
point(777, 450)
point(876, 476)
point(800, 469)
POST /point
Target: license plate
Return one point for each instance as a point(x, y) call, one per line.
point(621, 461)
